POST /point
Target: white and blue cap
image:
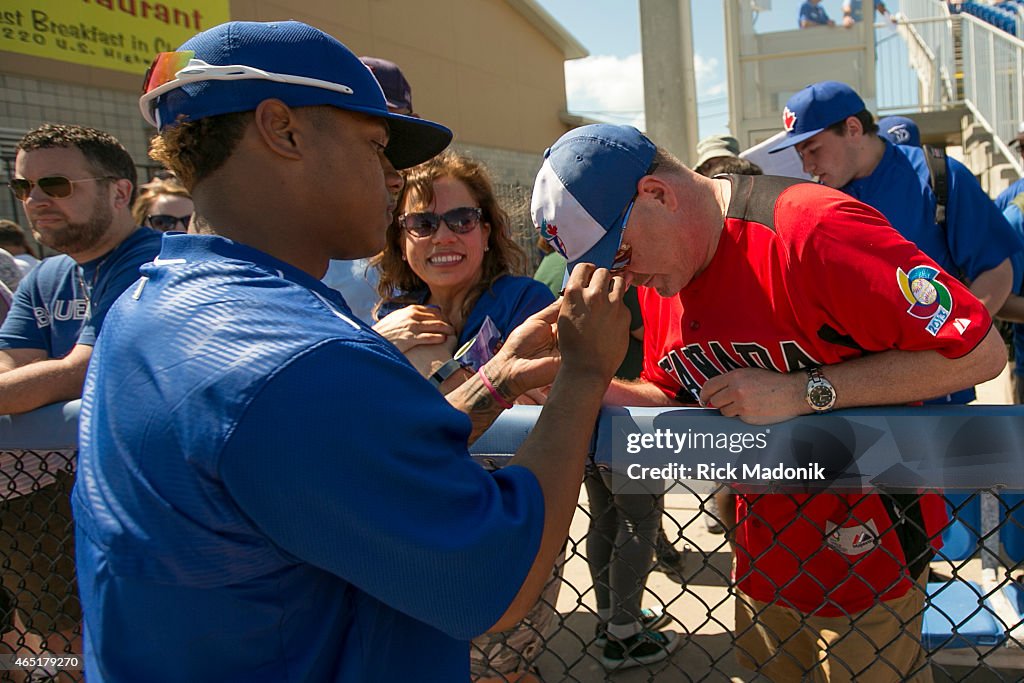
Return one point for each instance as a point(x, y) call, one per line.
point(235, 66)
point(814, 109)
point(588, 180)
point(900, 130)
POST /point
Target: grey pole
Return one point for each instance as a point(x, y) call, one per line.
point(670, 88)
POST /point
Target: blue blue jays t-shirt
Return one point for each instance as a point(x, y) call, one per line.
point(813, 13)
point(275, 493)
point(509, 301)
point(976, 237)
point(61, 303)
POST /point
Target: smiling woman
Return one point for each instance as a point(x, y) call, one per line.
point(450, 264)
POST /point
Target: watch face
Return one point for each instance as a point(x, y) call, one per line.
point(820, 396)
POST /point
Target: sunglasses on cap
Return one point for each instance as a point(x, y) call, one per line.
point(425, 223)
point(624, 255)
point(171, 70)
point(56, 186)
point(165, 222)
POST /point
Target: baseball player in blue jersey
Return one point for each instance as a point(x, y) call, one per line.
point(838, 141)
point(280, 495)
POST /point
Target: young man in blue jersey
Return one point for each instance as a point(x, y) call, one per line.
point(76, 186)
point(282, 496)
point(836, 137)
point(812, 14)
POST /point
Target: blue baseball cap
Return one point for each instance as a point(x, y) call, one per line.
point(814, 109)
point(235, 66)
point(588, 179)
point(900, 130)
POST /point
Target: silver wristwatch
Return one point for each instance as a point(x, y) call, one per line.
point(821, 395)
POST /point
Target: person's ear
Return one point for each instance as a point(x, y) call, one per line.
point(277, 125)
point(854, 126)
point(655, 188)
point(122, 193)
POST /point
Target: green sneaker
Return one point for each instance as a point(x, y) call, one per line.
point(651, 619)
point(646, 647)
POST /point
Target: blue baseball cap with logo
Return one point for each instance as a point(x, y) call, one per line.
point(586, 184)
point(900, 130)
point(234, 66)
point(814, 109)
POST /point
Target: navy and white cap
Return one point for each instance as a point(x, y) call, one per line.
point(290, 48)
point(900, 130)
point(587, 181)
point(814, 109)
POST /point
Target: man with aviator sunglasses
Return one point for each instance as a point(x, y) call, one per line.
point(76, 185)
point(283, 496)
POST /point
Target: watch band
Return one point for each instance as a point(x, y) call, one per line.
point(438, 377)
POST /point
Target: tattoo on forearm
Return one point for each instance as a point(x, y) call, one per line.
point(476, 401)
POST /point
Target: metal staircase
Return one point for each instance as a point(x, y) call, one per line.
point(977, 66)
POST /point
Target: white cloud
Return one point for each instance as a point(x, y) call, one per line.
point(607, 88)
point(611, 88)
point(704, 66)
point(710, 82)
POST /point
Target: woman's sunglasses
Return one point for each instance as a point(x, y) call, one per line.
point(56, 186)
point(165, 223)
point(425, 223)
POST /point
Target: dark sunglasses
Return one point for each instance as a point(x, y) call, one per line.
point(56, 186)
point(623, 256)
point(425, 223)
point(165, 223)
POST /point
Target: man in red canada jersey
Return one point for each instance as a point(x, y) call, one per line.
point(768, 298)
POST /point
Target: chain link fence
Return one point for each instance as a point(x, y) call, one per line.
point(956, 621)
point(785, 588)
point(515, 199)
point(39, 609)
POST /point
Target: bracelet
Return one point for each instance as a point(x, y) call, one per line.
point(445, 371)
point(498, 398)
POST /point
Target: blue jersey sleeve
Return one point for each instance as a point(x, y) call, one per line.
point(21, 329)
point(977, 234)
point(350, 461)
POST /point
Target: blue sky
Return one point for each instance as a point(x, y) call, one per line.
point(608, 85)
